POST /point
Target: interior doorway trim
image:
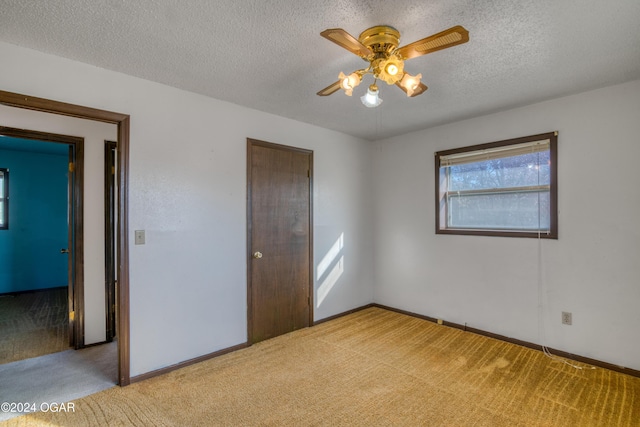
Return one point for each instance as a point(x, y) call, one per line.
point(122, 262)
point(110, 224)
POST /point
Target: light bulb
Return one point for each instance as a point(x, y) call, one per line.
point(390, 70)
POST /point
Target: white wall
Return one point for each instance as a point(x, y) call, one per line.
point(94, 134)
point(491, 283)
point(188, 191)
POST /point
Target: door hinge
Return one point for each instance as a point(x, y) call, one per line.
point(72, 315)
point(113, 170)
point(72, 167)
point(308, 173)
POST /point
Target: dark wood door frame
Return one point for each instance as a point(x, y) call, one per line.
point(73, 252)
point(123, 123)
point(250, 144)
point(110, 167)
point(75, 227)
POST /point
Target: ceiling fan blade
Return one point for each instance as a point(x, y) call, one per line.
point(417, 91)
point(330, 89)
point(346, 41)
point(447, 38)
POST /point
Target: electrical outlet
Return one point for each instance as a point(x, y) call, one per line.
point(566, 318)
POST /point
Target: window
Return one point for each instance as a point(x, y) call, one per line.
point(504, 188)
point(4, 199)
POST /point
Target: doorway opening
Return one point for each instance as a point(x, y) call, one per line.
point(49, 226)
point(122, 155)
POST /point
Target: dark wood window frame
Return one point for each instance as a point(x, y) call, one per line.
point(4, 199)
point(440, 199)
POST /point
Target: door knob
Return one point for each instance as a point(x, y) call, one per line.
point(64, 251)
point(257, 255)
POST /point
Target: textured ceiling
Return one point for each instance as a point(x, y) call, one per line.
point(268, 55)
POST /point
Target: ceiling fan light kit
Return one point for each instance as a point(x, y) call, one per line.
point(410, 83)
point(347, 83)
point(371, 98)
point(379, 47)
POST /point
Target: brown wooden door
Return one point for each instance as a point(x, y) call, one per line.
point(279, 239)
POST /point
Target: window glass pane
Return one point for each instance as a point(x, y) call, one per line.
point(1, 212)
point(503, 188)
point(522, 211)
point(518, 171)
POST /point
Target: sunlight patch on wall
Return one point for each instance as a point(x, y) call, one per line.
point(335, 267)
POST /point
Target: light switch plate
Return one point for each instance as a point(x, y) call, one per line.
point(139, 237)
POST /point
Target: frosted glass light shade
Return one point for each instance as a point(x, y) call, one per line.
point(410, 83)
point(347, 83)
point(371, 98)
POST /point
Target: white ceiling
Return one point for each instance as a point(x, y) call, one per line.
point(269, 55)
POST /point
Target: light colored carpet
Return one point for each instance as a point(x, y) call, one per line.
point(371, 368)
point(33, 324)
point(59, 377)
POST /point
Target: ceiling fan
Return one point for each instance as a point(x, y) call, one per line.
point(379, 47)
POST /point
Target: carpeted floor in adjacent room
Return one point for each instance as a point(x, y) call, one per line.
point(370, 368)
point(33, 324)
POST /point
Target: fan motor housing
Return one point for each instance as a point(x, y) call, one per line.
point(381, 39)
